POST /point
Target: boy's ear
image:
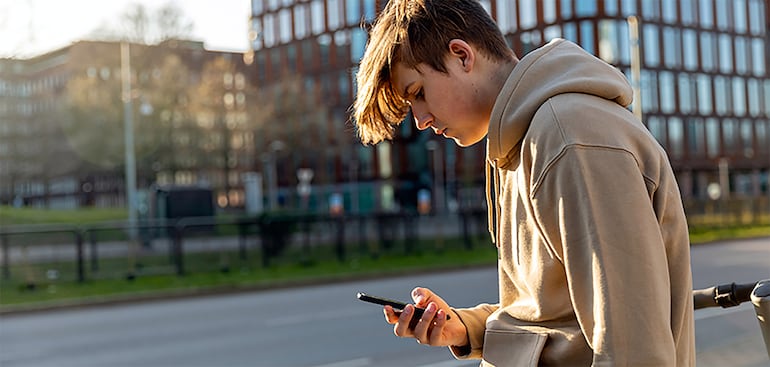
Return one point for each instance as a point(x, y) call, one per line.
point(463, 53)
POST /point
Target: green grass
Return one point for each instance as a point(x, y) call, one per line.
point(705, 234)
point(16, 216)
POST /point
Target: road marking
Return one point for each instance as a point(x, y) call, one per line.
point(712, 312)
point(350, 363)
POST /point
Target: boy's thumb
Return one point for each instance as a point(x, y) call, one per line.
point(419, 295)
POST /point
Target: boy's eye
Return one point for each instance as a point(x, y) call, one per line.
point(420, 94)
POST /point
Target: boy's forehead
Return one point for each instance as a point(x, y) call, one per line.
point(402, 76)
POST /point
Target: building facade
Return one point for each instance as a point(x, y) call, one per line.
point(703, 90)
point(62, 123)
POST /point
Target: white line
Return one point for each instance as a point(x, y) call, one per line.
point(360, 362)
point(712, 312)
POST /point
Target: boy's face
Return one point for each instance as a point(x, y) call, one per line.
point(450, 103)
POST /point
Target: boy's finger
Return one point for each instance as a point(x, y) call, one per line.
point(438, 328)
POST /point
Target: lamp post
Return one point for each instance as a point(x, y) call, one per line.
point(128, 127)
point(274, 147)
point(636, 64)
point(438, 182)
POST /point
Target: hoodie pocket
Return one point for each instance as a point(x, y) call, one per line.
point(503, 348)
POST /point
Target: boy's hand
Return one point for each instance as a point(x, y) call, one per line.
point(433, 328)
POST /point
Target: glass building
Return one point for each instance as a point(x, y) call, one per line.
point(703, 86)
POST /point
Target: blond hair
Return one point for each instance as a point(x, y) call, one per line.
point(415, 32)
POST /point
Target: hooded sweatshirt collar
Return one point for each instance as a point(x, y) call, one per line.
point(558, 67)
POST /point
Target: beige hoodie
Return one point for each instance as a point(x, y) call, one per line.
point(594, 253)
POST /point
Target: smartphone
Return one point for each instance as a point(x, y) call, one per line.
point(397, 305)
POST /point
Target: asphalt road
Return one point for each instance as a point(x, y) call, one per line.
point(326, 326)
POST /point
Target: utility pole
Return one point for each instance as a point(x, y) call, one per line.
point(636, 64)
point(128, 126)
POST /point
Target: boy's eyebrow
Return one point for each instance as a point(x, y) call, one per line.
point(406, 90)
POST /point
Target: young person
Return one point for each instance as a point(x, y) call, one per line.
point(594, 264)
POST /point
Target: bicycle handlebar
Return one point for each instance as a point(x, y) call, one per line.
point(724, 295)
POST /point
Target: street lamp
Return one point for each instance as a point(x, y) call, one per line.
point(274, 147)
point(438, 182)
point(128, 127)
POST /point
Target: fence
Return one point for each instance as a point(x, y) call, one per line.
point(104, 250)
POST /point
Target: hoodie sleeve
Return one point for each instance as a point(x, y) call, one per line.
point(475, 320)
point(610, 243)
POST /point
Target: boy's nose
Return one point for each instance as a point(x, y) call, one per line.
point(422, 119)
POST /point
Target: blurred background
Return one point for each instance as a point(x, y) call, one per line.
point(151, 148)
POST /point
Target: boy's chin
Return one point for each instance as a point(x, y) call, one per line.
point(465, 142)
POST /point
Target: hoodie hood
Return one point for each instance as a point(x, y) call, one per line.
point(558, 67)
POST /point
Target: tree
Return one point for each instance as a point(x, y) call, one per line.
point(139, 25)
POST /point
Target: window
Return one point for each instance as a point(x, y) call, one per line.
point(739, 96)
point(767, 97)
point(723, 11)
point(344, 86)
point(624, 46)
point(333, 13)
point(587, 36)
point(721, 96)
point(756, 17)
point(628, 7)
point(506, 16)
point(729, 136)
point(763, 136)
point(317, 16)
point(688, 12)
point(549, 9)
point(353, 12)
point(610, 7)
point(753, 97)
point(566, 9)
point(707, 51)
point(725, 54)
point(667, 100)
point(301, 26)
point(608, 36)
point(256, 7)
point(673, 49)
point(758, 56)
point(657, 129)
point(650, 10)
point(570, 32)
point(747, 137)
point(741, 55)
point(651, 45)
point(552, 32)
point(669, 11)
point(704, 94)
point(686, 100)
point(739, 16)
point(649, 90)
point(285, 25)
point(690, 49)
point(585, 8)
point(706, 8)
point(527, 14)
point(369, 10)
point(358, 44)
point(695, 137)
point(712, 137)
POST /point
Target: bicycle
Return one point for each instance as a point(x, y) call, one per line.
point(731, 295)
